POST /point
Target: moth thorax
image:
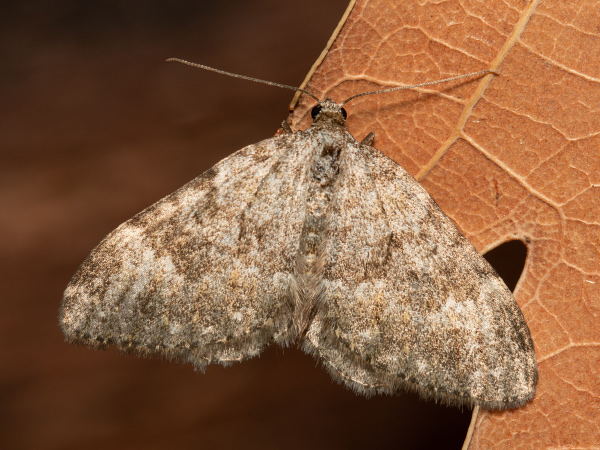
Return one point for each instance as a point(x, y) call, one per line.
point(311, 257)
point(326, 167)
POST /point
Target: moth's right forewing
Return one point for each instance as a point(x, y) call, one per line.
point(409, 304)
point(204, 274)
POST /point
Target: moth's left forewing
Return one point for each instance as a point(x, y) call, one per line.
point(409, 303)
point(204, 274)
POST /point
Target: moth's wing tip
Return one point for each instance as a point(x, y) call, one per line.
point(65, 321)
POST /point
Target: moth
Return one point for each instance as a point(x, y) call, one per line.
point(316, 240)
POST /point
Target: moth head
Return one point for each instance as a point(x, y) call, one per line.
point(329, 111)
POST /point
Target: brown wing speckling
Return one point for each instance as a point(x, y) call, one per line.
point(314, 239)
point(408, 303)
point(204, 274)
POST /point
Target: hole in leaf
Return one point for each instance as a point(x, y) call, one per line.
point(508, 259)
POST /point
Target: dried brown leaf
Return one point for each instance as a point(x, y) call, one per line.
point(514, 156)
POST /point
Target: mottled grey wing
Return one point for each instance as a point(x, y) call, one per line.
point(409, 304)
point(204, 274)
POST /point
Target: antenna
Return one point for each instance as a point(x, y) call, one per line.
point(412, 86)
point(349, 99)
point(243, 77)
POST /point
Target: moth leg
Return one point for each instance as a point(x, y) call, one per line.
point(286, 127)
point(368, 139)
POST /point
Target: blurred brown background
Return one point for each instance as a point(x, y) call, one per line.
point(94, 127)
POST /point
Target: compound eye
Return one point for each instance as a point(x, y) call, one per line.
point(315, 111)
point(344, 114)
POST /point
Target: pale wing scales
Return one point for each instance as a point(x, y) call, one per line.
point(409, 303)
point(204, 274)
